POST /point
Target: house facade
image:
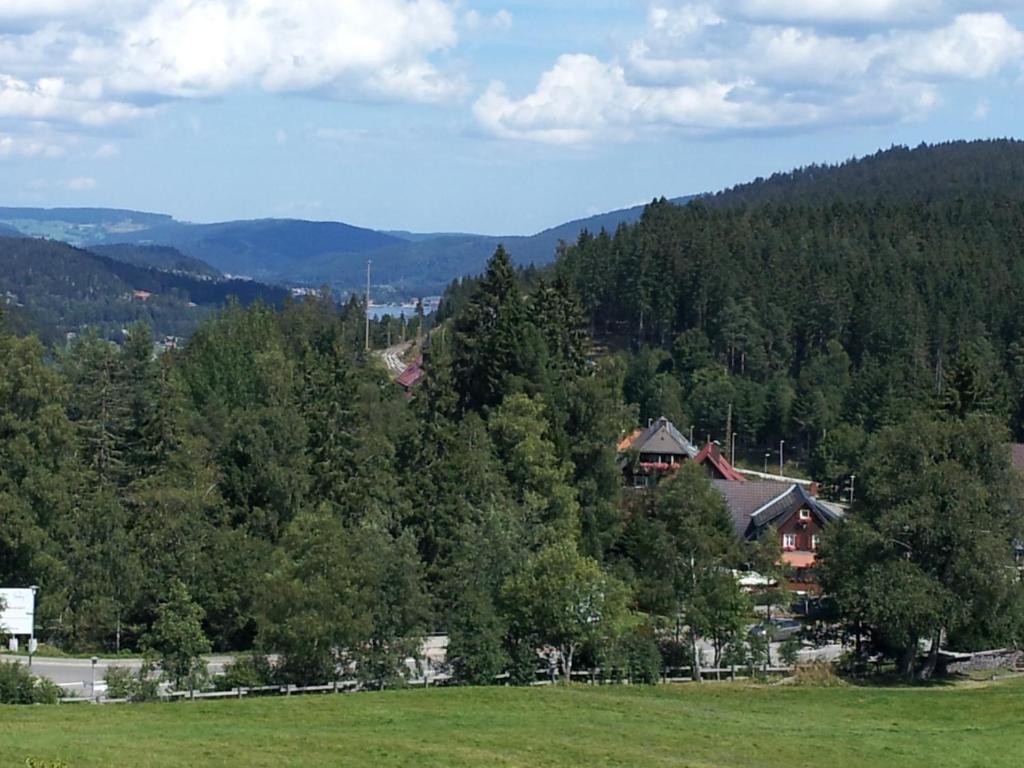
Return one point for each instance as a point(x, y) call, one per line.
point(649, 454)
point(787, 510)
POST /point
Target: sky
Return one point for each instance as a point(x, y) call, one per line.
point(476, 116)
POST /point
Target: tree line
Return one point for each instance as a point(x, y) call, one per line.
point(274, 486)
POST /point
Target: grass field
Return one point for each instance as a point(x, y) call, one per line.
point(710, 725)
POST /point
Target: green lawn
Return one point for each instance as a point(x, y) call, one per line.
point(710, 725)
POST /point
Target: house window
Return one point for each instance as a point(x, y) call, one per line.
point(789, 541)
point(815, 541)
point(805, 514)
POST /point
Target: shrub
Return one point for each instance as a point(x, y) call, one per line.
point(122, 683)
point(246, 672)
point(789, 651)
point(641, 655)
point(817, 674)
point(19, 686)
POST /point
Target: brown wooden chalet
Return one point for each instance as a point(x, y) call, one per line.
point(648, 454)
point(787, 509)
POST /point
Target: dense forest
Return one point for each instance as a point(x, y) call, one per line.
point(272, 480)
point(819, 323)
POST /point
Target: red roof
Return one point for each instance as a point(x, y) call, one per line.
point(627, 442)
point(710, 454)
point(411, 375)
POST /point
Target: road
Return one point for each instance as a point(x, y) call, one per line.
point(75, 675)
point(392, 357)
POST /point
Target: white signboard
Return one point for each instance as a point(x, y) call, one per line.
point(18, 612)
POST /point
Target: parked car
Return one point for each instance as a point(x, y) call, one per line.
point(777, 630)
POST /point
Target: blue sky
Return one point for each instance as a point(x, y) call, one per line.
point(458, 115)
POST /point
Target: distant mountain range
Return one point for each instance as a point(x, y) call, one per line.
point(293, 251)
point(315, 253)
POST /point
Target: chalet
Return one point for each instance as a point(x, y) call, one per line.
point(646, 455)
point(789, 510)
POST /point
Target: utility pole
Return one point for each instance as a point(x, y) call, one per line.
point(367, 305)
point(781, 443)
point(732, 453)
point(728, 422)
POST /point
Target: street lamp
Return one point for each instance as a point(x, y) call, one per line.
point(781, 443)
point(92, 685)
point(691, 434)
point(767, 454)
point(32, 626)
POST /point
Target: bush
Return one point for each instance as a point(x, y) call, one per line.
point(789, 651)
point(817, 674)
point(641, 655)
point(19, 686)
point(250, 671)
point(122, 683)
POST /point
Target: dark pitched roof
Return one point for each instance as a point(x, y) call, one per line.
point(778, 510)
point(663, 437)
point(755, 505)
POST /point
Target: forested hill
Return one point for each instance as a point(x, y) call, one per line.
point(820, 322)
point(51, 288)
point(948, 171)
point(160, 257)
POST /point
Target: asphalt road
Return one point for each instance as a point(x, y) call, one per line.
point(75, 675)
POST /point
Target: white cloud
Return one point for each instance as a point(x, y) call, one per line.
point(91, 63)
point(474, 20)
point(858, 11)
point(23, 146)
point(974, 46)
point(699, 71)
point(190, 48)
point(80, 184)
point(34, 9)
point(107, 151)
point(982, 109)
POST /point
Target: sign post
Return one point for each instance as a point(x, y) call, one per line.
point(18, 616)
point(19, 610)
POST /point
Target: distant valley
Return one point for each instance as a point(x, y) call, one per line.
point(296, 252)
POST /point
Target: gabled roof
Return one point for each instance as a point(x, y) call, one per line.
point(755, 505)
point(711, 455)
point(743, 499)
point(779, 509)
point(661, 437)
point(411, 375)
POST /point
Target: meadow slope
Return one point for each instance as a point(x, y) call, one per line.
point(713, 725)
